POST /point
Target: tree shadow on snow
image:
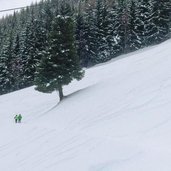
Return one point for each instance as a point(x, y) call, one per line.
point(70, 96)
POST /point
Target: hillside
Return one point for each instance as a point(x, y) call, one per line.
point(14, 4)
point(116, 119)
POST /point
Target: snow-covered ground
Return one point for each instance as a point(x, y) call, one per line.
point(118, 118)
point(8, 4)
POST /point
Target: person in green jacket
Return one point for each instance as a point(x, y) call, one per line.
point(16, 118)
point(19, 118)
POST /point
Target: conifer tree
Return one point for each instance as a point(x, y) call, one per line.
point(162, 18)
point(60, 64)
point(6, 77)
point(17, 63)
point(134, 41)
point(121, 26)
point(29, 47)
point(90, 38)
point(101, 31)
point(113, 37)
point(81, 37)
point(145, 25)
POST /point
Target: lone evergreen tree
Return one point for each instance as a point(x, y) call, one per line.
point(60, 63)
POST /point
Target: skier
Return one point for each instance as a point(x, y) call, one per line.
point(19, 118)
point(16, 118)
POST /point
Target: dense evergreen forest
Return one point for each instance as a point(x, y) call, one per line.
point(48, 43)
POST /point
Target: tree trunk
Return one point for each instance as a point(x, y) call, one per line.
point(60, 90)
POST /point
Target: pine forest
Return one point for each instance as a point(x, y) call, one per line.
point(49, 43)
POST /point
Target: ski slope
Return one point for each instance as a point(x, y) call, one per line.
point(118, 118)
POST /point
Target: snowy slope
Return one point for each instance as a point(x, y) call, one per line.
point(118, 118)
point(8, 4)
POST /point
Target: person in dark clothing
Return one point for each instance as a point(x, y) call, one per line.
point(16, 118)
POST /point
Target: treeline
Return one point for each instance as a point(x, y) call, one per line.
point(100, 31)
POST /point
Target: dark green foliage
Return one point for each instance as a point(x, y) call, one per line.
point(101, 31)
point(6, 64)
point(134, 40)
point(162, 18)
point(81, 37)
point(60, 63)
point(36, 40)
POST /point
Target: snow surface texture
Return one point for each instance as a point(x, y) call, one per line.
point(8, 4)
point(118, 118)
